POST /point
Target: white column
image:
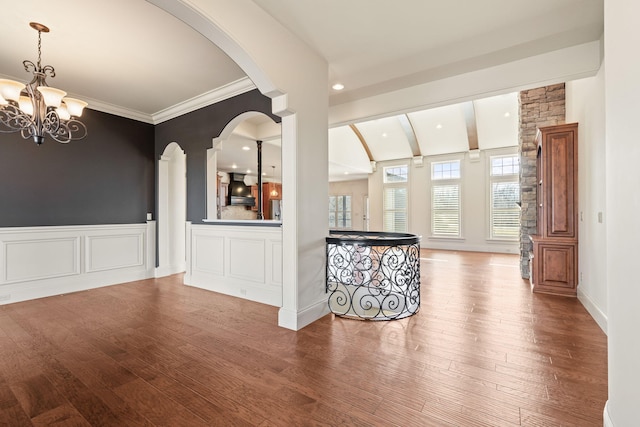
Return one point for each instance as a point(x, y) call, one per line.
point(622, 92)
point(163, 215)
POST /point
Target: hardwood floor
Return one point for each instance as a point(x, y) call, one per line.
point(482, 351)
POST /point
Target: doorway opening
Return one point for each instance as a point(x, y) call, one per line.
point(172, 213)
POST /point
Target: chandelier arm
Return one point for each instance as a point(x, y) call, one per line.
point(12, 119)
point(69, 130)
point(77, 130)
point(51, 122)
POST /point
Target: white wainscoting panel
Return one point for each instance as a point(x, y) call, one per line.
point(247, 259)
point(276, 261)
point(209, 254)
point(37, 262)
point(242, 261)
point(40, 259)
point(113, 252)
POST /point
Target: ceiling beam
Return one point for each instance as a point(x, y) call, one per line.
point(362, 141)
point(472, 128)
point(410, 133)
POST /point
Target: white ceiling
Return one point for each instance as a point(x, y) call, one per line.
point(374, 46)
point(129, 57)
point(126, 57)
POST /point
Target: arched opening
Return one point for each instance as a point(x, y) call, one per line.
point(235, 153)
point(172, 204)
point(295, 78)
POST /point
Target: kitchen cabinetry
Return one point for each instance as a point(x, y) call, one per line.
point(554, 261)
point(270, 191)
point(254, 194)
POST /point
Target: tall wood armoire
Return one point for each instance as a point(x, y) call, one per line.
point(554, 261)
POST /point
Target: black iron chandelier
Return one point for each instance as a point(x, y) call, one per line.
point(36, 109)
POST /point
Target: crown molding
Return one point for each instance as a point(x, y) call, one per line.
point(116, 110)
point(219, 94)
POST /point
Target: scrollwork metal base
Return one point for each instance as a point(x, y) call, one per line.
point(373, 276)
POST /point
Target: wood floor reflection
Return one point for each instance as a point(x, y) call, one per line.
point(482, 351)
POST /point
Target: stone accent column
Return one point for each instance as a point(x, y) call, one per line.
point(544, 106)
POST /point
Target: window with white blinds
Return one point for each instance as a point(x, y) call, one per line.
point(504, 214)
point(445, 199)
point(395, 209)
point(339, 211)
point(445, 217)
point(395, 215)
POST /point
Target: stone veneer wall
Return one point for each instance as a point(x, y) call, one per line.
point(539, 107)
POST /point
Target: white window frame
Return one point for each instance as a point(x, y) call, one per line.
point(342, 197)
point(497, 178)
point(445, 179)
point(401, 183)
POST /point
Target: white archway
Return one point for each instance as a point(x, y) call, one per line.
point(212, 158)
point(172, 210)
point(296, 79)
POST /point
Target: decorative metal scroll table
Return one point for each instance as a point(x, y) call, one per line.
point(373, 275)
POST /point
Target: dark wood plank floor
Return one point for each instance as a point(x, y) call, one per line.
point(482, 351)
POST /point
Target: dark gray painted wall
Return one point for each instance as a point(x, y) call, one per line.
point(194, 133)
point(110, 176)
point(106, 178)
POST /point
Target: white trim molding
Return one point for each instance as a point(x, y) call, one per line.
point(37, 262)
point(227, 91)
point(606, 417)
point(298, 320)
point(593, 309)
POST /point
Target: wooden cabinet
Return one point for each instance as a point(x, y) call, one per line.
point(254, 194)
point(270, 191)
point(554, 261)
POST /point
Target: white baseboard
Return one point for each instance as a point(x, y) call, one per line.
point(169, 270)
point(458, 245)
point(298, 320)
point(606, 418)
point(594, 310)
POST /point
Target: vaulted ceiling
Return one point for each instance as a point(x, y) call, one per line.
point(481, 124)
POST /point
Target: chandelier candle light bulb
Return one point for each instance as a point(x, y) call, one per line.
point(52, 97)
point(10, 90)
point(25, 105)
point(36, 109)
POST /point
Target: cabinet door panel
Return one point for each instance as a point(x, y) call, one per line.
point(557, 266)
point(560, 176)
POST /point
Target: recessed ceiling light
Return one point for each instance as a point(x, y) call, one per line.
point(384, 134)
point(507, 114)
point(245, 148)
point(234, 166)
point(264, 174)
point(248, 170)
point(337, 86)
point(346, 173)
point(438, 126)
